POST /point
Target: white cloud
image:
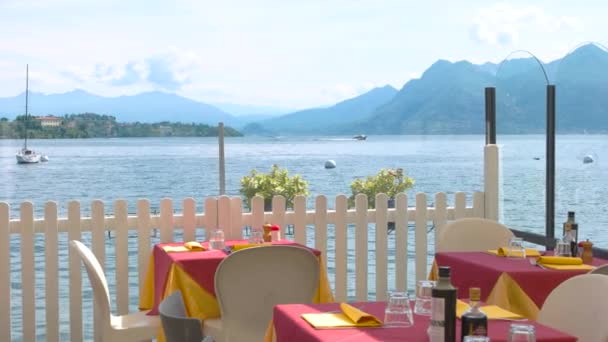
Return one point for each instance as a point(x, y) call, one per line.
point(503, 24)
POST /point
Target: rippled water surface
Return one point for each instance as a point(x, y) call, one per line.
point(155, 168)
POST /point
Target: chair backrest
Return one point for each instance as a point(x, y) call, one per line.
point(98, 282)
point(600, 270)
point(250, 282)
point(472, 235)
point(576, 307)
point(177, 326)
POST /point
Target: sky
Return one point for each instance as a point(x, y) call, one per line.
point(279, 53)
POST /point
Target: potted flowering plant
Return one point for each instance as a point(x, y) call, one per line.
point(276, 182)
point(388, 181)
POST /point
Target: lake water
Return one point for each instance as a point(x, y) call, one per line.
point(155, 168)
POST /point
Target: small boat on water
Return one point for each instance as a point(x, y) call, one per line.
point(26, 155)
point(360, 137)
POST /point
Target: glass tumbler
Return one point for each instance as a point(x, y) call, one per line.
point(398, 311)
point(562, 249)
point(424, 297)
point(516, 248)
point(256, 236)
point(216, 241)
point(522, 333)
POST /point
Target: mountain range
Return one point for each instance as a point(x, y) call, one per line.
point(447, 99)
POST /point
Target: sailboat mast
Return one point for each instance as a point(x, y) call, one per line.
point(26, 93)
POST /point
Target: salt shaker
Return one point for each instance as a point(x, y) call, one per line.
point(275, 233)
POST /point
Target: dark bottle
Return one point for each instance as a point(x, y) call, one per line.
point(474, 321)
point(571, 233)
point(442, 327)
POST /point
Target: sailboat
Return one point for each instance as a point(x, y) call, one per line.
point(26, 155)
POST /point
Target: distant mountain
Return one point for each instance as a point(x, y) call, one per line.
point(449, 97)
point(145, 107)
point(328, 120)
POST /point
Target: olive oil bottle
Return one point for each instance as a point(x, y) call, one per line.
point(442, 327)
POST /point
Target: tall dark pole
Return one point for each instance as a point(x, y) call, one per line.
point(490, 95)
point(550, 170)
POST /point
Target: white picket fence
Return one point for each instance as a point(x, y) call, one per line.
point(224, 212)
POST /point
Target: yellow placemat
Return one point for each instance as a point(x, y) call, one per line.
point(190, 246)
point(349, 317)
point(502, 251)
point(249, 245)
point(492, 311)
point(581, 267)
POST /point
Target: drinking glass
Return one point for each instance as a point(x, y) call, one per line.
point(522, 333)
point(256, 236)
point(562, 249)
point(398, 311)
point(424, 297)
point(516, 248)
point(216, 241)
point(476, 339)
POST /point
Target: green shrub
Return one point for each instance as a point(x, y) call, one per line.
point(388, 181)
point(276, 182)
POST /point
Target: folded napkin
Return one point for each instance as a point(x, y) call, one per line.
point(492, 311)
point(502, 251)
point(349, 316)
point(563, 263)
point(190, 246)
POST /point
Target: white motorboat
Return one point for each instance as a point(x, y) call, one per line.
point(26, 155)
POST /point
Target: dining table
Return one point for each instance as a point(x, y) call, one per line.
point(193, 273)
point(516, 284)
point(289, 326)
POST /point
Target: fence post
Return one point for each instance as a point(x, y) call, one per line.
point(491, 181)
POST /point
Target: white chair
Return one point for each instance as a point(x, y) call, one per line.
point(250, 282)
point(600, 270)
point(132, 327)
point(473, 235)
point(577, 306)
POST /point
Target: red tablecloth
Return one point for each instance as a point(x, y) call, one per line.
point(478, 269)
point(201, 266)
point(290, 327)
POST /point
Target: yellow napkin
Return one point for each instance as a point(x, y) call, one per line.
point(249, 245)
point(492, 311)
point(563, 263)
point(502, 251)
point(349, 317)
point(190, 246)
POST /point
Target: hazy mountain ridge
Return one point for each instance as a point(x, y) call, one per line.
point(328, 120)
point(447, 99)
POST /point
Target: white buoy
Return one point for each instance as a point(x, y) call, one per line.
point(330, 164)
point(587, 159)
